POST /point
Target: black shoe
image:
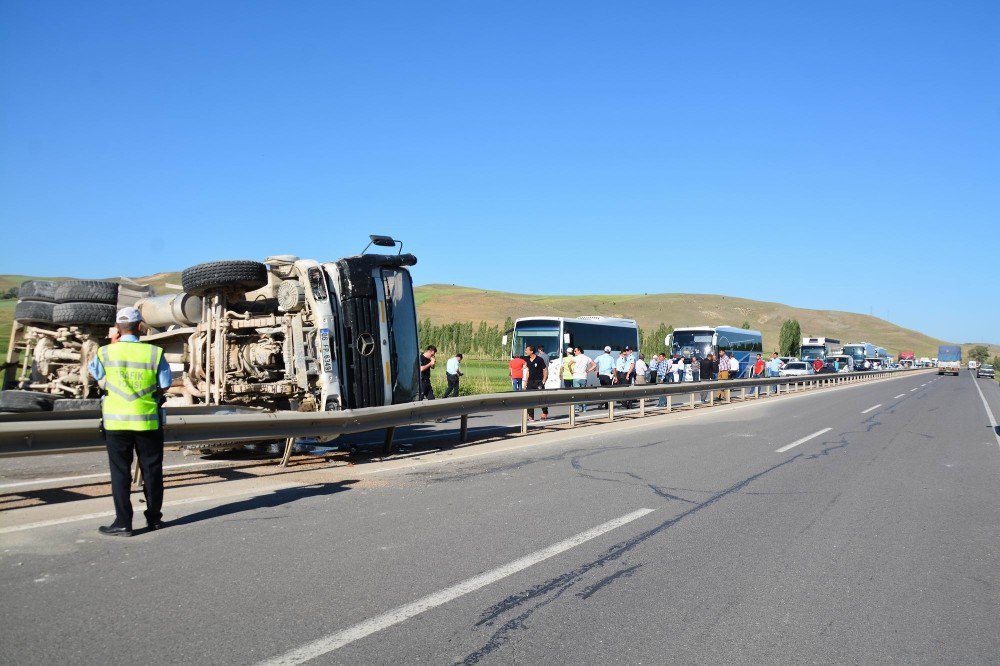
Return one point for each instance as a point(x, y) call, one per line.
point(114, 530)
point(158, 525)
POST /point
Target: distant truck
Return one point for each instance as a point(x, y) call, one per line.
point(949, 359)
point(818, 348)
point(907, 359)
point(859, 351)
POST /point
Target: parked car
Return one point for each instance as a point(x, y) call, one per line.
point(985, 371)
point(841, 363)
point(797, 369)
point(827, 369)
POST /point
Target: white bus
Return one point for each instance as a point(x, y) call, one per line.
point(700, 341)
point(590, 333)
point(821, 348)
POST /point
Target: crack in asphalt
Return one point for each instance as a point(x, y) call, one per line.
point(545, 593)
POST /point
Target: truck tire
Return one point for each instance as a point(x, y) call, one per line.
point(245, 275)
point(37, 290)
point(74, 405)
point(87, 291)
point(33, 312)
point(84, 313)
point(26, 401)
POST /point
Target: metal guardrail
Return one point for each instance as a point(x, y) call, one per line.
point(34, 437)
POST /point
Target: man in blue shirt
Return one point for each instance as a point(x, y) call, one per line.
point(605, 367)
point(774, 368)
point(452, 371)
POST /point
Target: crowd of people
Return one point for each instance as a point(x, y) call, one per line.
point(538, 370)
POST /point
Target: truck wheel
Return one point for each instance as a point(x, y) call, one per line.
point(84, 313)
point(74, 405)
point(245, 275)
point(37, 290)
point(33, 312)
point(26, 401)
point(87, 291)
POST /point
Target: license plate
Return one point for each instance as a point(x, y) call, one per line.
point(324, 348)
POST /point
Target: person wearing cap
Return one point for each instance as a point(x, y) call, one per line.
point(133, 374)
point(605, 367)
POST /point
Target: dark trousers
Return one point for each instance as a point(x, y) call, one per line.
point(452, 386)
point(535, 385)
point(149, 445)
point(426, 390)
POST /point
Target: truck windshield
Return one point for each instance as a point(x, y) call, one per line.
point(401, 320)
point(810, 352)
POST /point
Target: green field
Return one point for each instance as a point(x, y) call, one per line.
point(478, 377)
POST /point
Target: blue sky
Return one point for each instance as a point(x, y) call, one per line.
point(584, 147)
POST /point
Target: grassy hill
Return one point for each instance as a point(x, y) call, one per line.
point(446, 303)
point(449, 303)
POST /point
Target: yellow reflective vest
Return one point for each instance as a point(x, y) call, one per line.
point(130, 376)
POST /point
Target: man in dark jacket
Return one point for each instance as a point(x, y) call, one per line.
point(707, 373)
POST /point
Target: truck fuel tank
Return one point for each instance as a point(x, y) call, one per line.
point(170, 310)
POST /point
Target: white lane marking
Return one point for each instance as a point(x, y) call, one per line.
point(803, 440)
point(898, 396)
point(187, 500)
point(100, 474)
point(872, 409)
point(989, 412)
point(914, 389)
point(332, 642)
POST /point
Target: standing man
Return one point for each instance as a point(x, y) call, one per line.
point(452, 371)
point(582, 367)
point(427, 362)
point(517, 366)
point(541, 353)
point(605, 367)
point(538, 372)
point(134, 374)
point(774, 368)
point(707, 373)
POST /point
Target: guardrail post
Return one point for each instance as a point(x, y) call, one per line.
point(692, 401)
point(642, 406)
point(670, 403)
point(524, 421)
point(390, 432)
point(711, 398)
point(572, 415)
point(463, 429)
point(611, 410)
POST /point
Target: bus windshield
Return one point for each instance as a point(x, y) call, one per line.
point(692, 343)
point(535, 334)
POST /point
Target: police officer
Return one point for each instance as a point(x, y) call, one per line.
point(134, 374)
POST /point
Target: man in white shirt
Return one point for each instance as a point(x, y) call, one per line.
point(583, 365)
point(453, 370)
point(734, 367)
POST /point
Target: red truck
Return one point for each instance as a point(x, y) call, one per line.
point(907, 358)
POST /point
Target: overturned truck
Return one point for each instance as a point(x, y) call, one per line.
point(282, 334)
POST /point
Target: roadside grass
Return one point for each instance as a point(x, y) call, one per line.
point(478, 377)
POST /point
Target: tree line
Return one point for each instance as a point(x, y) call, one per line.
point(482, 341)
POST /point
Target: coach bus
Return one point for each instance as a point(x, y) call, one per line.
point(700, 341)
point(591, 333)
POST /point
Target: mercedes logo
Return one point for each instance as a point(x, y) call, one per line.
point(365, 344)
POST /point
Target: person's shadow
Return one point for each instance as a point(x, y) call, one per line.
point(270, 500)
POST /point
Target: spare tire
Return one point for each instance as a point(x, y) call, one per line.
point(84, 313)
point(75, 405)
point(26, 401)
point(241, 274)
point(37, 290)
point(33, 312)
point(87, 291)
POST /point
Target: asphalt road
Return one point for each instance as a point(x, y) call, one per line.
point(686, 538)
